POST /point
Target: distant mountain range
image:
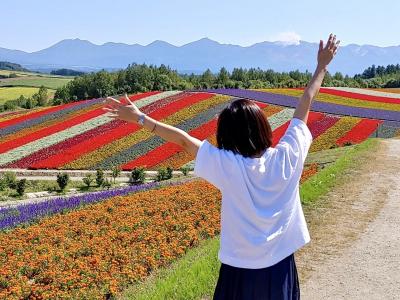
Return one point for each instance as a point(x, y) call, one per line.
point(197, 56)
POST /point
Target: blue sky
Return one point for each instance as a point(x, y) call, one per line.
point(33, 25)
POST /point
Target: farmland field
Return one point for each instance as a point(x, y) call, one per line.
point(12, 93)
point(35, 81)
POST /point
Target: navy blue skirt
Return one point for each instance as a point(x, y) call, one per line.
point(277, 282)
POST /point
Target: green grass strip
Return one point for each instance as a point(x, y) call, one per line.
point(194, 276)
point(191, 277)
point(334, 174)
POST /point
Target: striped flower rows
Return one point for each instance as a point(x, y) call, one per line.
point(16, 215)
point(183, 108)
point(86, 138)
point(318, 106)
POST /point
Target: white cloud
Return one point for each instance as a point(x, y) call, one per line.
point(287, 38)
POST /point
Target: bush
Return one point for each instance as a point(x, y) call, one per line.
point(137, 176)
point(99, 177)
point(106, 183)
point(116, 171)
point(21, 185)
point(62, 180)
point(164, 174)
point(161, 174)
point(184, 170)
point(88, 179)
point(10, 179)
point(169, 172)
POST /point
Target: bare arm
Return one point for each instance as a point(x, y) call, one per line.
point(325, 55)
point(131, 113)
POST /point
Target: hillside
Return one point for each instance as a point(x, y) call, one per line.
point(79, 135)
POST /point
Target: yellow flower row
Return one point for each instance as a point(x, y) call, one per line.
point(338, 99)
point(331, 135)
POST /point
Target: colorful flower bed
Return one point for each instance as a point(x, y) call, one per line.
point(317, 106)
point(186, 119)
point(171, 115)
point(81, 136)
point(97, 250)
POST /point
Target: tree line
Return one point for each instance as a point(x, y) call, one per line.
point(141, 78)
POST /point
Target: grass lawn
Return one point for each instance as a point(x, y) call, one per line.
point(36, 81)
point(194, 276)
point(12, 93)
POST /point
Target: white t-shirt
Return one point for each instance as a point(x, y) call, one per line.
point(262, 220)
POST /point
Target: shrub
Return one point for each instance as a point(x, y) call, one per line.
point(164, 174)
point(184, 170)
point(88, 179)
point(99, 177)
point(169, 172)
point(161, 174)
point(106, 183)
point(21, 185)
point(62, 180)
point(10, 179)
point(138, 175)
point(116, 171)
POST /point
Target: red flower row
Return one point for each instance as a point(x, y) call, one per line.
point(320, 126)
point(280, 131)
point(4, 147)
point(168, 149)
point(359, 96)
point(360, 132)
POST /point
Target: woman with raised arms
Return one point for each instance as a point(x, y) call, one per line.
point(262, 221)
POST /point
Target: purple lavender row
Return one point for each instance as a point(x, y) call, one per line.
point(13, 216)
point(392, 124)
point(290, 101)
point(48, 116)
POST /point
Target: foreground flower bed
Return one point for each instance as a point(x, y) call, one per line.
point(17, 215)
point(96, 251)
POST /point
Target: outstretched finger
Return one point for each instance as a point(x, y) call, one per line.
point(321, 45)
point(329, 42)
point(129, 100)
point(110, 109)
point(333, 43)
point(112, 100)
point(336, 46)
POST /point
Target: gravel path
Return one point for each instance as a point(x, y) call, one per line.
point(360, 257)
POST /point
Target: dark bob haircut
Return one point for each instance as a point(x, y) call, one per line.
point(243, 128)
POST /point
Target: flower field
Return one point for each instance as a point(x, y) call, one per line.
point(79, 135)
point(92, 246)
point(99, 249)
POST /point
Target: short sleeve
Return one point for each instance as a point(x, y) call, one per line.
point(293, 147)
point(210, 162)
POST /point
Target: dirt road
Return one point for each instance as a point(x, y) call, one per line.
point(354, 251)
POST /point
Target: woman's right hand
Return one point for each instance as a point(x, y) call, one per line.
point(326, 54)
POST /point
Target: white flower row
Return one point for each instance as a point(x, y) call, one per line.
point(150, 99)
point(366, 92)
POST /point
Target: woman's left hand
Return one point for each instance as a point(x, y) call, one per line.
point(118, 110)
